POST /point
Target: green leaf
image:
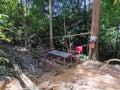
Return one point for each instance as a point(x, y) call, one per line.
point(4, 60)
point(115, 1)
point(3, 15)
point(0, 16)
point(1, 21)
point(8, 40)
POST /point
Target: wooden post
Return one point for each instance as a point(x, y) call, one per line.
point(93, 52)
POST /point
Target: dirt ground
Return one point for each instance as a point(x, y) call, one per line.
point(83, 76)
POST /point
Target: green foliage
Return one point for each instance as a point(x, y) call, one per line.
point(108, 35)
point(2, 27)
point(83, 57)
point(3, 60)
point(5, 71)
point(16, 58)
point(107, 41)
point(2, 53)
point(109, 23)
point(3, 37)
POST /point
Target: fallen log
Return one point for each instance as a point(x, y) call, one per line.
point(107, 62)
point(25, 79)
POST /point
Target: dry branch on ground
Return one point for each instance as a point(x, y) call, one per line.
point(107, 63)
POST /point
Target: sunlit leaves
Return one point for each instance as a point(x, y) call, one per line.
point(2, 24)
point(4, 60)
point(115, 1)
point(3, 15)
point(2, 55)
point(3, 37)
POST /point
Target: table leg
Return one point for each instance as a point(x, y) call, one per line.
point(38, 62)
point(53, 64)
point(64, 61)
point(45, 63)
point(71, 59)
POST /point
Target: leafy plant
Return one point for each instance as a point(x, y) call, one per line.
point(16, 58)
point(107, 42)
point(4, 69)
point(4, 60)
point(83, 57)
point(2, 27)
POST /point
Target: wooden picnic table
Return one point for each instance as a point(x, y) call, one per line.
point(46, 59)
point(62, 54)
point(49, 59)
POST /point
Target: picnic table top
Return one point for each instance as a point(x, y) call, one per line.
point(59, 53)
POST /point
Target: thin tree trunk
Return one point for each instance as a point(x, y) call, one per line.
point(93, 52)
point(85, 16)
point(51, 27)
point(24, 25)
point(65, 33)
point(65, 26)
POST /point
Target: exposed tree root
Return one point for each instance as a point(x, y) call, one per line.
point(107, 62)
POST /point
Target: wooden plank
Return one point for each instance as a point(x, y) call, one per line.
point(81, 34)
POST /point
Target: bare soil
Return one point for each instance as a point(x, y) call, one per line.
point(85, 76)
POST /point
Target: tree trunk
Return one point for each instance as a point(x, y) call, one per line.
point(51, 28)
point(93, 52)
point(24, 25)
point(85, 16)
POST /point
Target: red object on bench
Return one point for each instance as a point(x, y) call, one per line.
point(79, 49)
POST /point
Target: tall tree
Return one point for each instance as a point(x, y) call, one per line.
point(93, 52)
point(51, 27)
point(24, 24)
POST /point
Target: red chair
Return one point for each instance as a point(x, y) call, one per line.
point(79, 49)
point(76, 53)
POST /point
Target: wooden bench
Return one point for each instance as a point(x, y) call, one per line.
point(50, 62)
point(53, 65)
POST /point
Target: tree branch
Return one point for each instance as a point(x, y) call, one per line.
point(107, 62)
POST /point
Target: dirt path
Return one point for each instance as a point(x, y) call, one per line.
point(84, 76)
